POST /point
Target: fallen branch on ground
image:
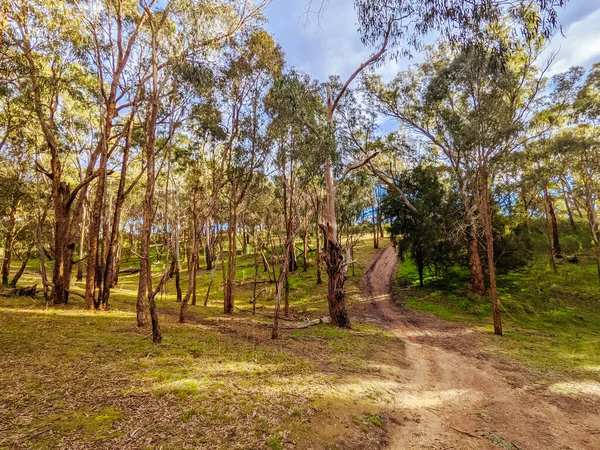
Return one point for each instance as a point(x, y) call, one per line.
point(299, 326)
point(466, 433)
point(27, 291)
point(270, 316)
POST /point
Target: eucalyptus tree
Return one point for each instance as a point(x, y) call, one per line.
point(575, 146)
point(250, 67)
point(287, 165)
point(587, 109)
point(16, 174)
point(177, 31)
point(49, 61)
point(305, 104)
point(474, 115)
point(296, 162)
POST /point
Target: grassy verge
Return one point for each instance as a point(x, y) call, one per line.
point(551, 321)
point(82, 379)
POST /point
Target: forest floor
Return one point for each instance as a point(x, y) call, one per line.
point(400, 379)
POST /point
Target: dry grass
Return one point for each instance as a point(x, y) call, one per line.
point(76, 379)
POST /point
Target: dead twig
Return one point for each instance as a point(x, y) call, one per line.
point(466, 433)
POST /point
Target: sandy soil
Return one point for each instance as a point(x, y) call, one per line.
point(450, 396)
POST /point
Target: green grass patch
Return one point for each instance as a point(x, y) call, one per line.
point(217, 381)
point(551, 321)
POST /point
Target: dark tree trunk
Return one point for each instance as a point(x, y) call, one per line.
point(10, 240)
point(21, 270)
point(82, 240)
point(475, 266)
point(379, 221)
point(486, 216)
point(94, 233)
point(552, 215)
point(229, 297)
point(176, 251)
point(336, 265)
point(420, 268)
point(305, 249)
point(375, 227)
point(64, 246)
point(318, 257)
point(293, 262)
point(208, 256)
point(145, 268)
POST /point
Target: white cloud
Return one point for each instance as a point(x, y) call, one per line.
point(580, 46)
point(328, 44)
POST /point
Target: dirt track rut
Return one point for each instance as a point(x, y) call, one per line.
point(450, 396)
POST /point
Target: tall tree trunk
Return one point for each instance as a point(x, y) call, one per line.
point(282, 280)
point(94, 229)
point(195, 249)
point(305, 249)
point(10, 239)
point(486, 216)
point(318, 256)
point(471, 235)
point(379, 218)
point(111, 265)
point(82, 239)
point(569, 210)
point(335, 259)
point(229, 296)
point(475, 266)
point(552, 216)
point(375, 227)
point(145, 267)
point(208, 256)
point(551, 253)
point(176, 255)
point(420, 266)
point(293, 263)
point(64, 246)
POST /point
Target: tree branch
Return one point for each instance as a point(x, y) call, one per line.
point(83, 184)
point(360, 68)
point(359, 164)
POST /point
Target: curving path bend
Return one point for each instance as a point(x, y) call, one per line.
point(450, 396)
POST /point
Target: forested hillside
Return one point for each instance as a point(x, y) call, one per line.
point(206, 247)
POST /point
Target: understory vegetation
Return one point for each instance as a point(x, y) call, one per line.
point(552, 319)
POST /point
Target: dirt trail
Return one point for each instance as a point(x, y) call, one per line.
point(451, 396)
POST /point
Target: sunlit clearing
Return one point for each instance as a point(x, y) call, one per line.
point(577, 388)
point(67, 312)
point(402, 395)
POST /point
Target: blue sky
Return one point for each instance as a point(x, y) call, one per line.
point(328, 44)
